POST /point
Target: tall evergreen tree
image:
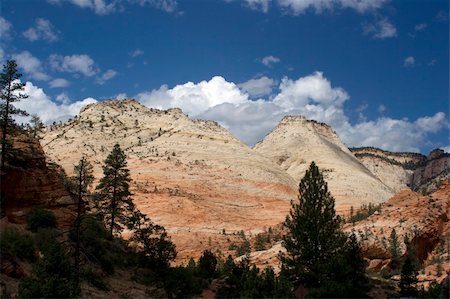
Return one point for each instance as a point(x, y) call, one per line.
point(114, 197)
point(319, 255)
point(394, 249)
point(10, 93)
point(313, 232)
point(409, 272)
point(82, 180)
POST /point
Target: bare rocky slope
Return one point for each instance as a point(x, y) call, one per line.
point(296, 141)
point(406, 170)
point(191, 176)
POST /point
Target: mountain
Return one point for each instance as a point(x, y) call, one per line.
point(296, 141)
point(191, 176)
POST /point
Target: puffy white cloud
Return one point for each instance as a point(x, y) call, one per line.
point(312, 96)
point(5, 28)
point(270, 60)
point(58, 83)
point(42, 29)
point(108, 75)
point(41, 104)
point(78, 63)
point(297, 7)
point(409, 61)
point(258, 87)
point(380, 29)
point(31, 65)
point(194, 98)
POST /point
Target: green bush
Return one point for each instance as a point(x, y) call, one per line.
point(52, 276)
point(14, 245)
point(40, 218)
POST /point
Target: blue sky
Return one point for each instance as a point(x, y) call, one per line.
point(376, 70)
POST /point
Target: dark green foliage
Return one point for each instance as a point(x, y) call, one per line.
point(156, 249)
point(319, 256)
point(15, 245)
point(409, 272)
point(207, 264)
point(243, 281)
point(260, 242)
point(394, 249)
point(9, 93)
point(435, 290)
point(363, 212)
point(113, 197)
point(95, 279)
point(313, 233)
point(36, 125)
point(52, 276)
point(40, 218)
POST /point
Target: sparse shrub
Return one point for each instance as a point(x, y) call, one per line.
point(16, 245)
point(40, 218)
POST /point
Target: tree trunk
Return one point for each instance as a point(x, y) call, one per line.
point(5, 126)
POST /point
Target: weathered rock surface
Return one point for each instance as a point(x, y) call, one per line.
point(436, 168)
point(424, 219)
point(296, 141)
point(191, 176)
point(30, 181)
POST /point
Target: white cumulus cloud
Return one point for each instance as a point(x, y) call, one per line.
point(78, 63)
point(104, 7)
point(380, 29)
point(42, 29)
point(38, 102)
point(258, 87)
point(297, 7)
point(312, 96)
point(31, 65)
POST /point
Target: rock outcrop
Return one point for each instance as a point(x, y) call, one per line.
point(191, 176)
point(296, 141)
point(30, 181)
point(406, 170)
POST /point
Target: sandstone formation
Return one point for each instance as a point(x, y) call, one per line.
point(296, 141)
point(406, 170)
point(191, 176)
point(29, 180)
point(424, 219)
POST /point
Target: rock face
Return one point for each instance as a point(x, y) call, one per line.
point(190, 176)
point(435, 168)
point(402, 170)
point(30, 181)
point(296, 141)
point(425, 219)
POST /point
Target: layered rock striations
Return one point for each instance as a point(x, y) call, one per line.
point(191, 176)
point(296, 141)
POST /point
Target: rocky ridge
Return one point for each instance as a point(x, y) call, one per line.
point(191, 176)
point(296, 142)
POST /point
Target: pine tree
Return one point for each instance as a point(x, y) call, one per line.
point(319, 255)
point(409, 271)
point(36, 125)
point(313, 233)
point(113, 197)
point(394, 248)
point(10, 93)
point(82, 180)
